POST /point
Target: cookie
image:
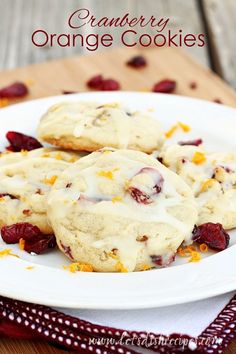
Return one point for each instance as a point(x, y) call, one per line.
point(121, 210)
point(211, 176)
point(91, 126)
point(25, 181)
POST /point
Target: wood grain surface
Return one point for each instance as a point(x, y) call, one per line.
point(51, 78)
point(216, 18)
point(221, 21)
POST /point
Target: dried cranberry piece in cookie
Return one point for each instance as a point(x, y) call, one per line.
point(145, 184)
point(2, 195)
point(211, 234)
point(140, 196)
point(40, 244)
point(13, 233)
point(162, 261)
point(15, 90)
point(19, 141)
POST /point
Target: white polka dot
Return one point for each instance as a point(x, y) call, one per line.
point(68, 341)
point(11, 316)
point(46, 332)
point(75, 325)
point(46, 316)
point(32, 326)
point(67, 322)
point(60, 339)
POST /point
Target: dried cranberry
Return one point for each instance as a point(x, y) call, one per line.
point(95, 82)
point(13, 233)
point(156, 260)
point(193, 85)
point(67, 250)
point(68, 92)
point(137, 62)
point(164, 86)
point(40, 244)
point(142, 196)
point(19, 141)
point(163, 261)
point(99, 83)
point(35, 241)
point(217, 100)
point(110, 85)
point(157, 178)
point(195, 142)
point(7, 195)
point(212, 234)
point(17, 89)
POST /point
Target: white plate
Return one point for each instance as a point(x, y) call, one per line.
point(48, 283)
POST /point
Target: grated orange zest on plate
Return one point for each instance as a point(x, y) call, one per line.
point(203, 247)
point(186, 128)
point(79, 267)
point(22, 244)
point(8, 252)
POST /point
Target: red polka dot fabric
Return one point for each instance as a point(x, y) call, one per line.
point(24, 320)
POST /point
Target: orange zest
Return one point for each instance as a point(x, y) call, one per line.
point(79, 267)
point(198, 158)
point(185, 128)
point(22, 244)
point(8, 252)
point(50, 180)
point(203, 247)
point(120, 268)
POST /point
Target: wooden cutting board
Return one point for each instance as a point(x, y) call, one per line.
point(51, 78)
point(54, 77)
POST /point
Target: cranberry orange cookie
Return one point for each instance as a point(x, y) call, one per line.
point(90, 126)
point(211, 176)
point(121, 210)
point(25, 180)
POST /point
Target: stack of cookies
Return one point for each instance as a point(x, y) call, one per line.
point(114, 205)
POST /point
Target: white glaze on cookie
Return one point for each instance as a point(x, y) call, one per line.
point(110, 200)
